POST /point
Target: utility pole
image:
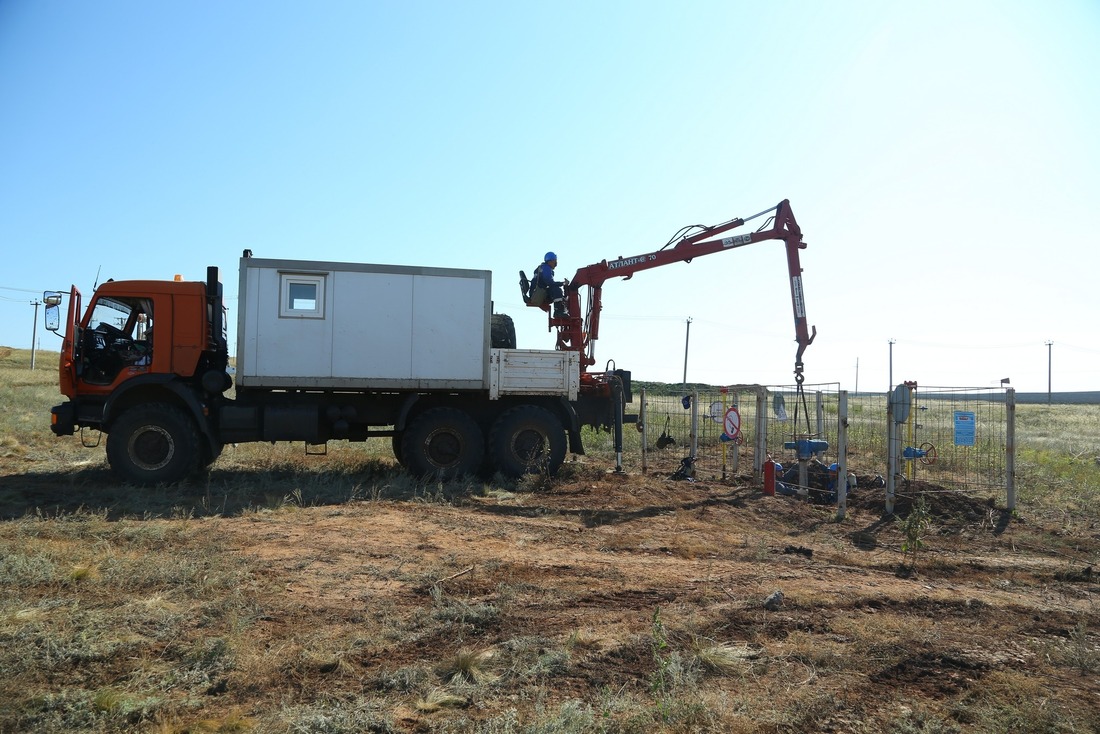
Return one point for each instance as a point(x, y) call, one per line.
point(857, 376)
point(891, 385)
point(1049, 345)
point(34, 329)
point(687, 340)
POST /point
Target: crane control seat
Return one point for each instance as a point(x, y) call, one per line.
point(538, 296)
point(541, 296)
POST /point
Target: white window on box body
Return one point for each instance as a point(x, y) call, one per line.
point(301, 296)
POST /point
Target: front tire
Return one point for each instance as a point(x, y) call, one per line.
point(444, 443)
point(154, 443)
point(527, 440)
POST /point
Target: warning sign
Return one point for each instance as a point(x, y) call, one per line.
point(732, 424)
point(965, 427)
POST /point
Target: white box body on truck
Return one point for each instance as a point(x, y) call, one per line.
point(343, 325)
point(347, 326)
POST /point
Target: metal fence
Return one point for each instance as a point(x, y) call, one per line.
point(950, 439)
point(693, 427)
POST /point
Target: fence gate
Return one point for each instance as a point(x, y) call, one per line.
point(950, 439)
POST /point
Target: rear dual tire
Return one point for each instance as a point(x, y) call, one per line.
point(443, 443)
point(527, 439)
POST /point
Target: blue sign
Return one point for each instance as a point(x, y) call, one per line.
point(966, 424)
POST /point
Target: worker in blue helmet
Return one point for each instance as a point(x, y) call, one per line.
point(831, 485)
point(544, 278)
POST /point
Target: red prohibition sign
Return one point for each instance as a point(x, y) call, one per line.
point(732, 423)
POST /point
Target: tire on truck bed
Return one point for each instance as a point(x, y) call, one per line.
point(502, 334)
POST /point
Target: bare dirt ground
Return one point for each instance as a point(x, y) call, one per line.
point(995, 604)
point(636, 602)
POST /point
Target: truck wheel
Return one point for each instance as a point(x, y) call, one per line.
point(444, 443)
point(502, 333)
point(527, 440)
point(153, 443)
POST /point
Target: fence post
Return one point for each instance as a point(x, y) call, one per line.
point(736, 447)
point(724, 392)
point(842, 453)
point(694, 424)
point(1010, 446)
point(645, 434)
point(891, 452)
point(761, 432)
point(820, 400)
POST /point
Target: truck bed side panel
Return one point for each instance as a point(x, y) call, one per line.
point(534, 372)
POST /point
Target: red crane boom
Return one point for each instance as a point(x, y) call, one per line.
point(580, 335)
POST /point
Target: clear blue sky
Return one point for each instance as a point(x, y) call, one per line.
point(942, 159)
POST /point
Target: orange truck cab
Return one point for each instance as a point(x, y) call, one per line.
point(147, 342)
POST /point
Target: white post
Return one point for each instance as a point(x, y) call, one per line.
point(34, 330)
point(842, 454)
point(891, 452)
point(761, 434)
point(820, 399)
point(1010, 446)
point(736, 448)
point(694, 424)
point(1049, 344)
point(645, 434)
point(687, 340)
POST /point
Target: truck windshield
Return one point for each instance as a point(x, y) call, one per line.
point(119, 334)
point(115, 314)
point(131, 317)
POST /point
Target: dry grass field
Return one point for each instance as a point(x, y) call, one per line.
point(319, 594)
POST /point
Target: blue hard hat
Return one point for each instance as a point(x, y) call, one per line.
point(834, 467)
point(550, 256)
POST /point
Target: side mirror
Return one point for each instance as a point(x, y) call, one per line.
point(52, 299)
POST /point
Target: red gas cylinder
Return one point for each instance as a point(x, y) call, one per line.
point(769, 478)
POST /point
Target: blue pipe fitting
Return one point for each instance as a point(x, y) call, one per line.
point(807, 447)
